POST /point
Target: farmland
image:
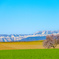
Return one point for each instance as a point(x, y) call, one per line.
point(22, 45)
point(30, 54)
point(27, 50)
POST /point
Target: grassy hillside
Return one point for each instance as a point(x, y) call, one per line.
point(30, 54)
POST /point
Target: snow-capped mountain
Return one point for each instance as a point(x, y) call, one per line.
point(47, 32)
point(40, 35)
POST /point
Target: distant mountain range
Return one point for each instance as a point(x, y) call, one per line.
point(40, 35)
point(47, 32)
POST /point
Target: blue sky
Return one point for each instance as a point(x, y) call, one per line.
point(28, 16)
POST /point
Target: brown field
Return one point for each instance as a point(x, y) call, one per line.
point(22, 45)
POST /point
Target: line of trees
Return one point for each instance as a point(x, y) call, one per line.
point(51, 41)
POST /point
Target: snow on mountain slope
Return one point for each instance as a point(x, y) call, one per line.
point(40, 35)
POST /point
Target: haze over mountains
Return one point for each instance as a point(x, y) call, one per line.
point(40, 35)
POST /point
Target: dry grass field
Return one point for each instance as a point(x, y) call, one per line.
point(22, 45)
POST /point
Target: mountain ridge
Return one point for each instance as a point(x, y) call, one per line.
point(47, 32)
point(40, 35)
